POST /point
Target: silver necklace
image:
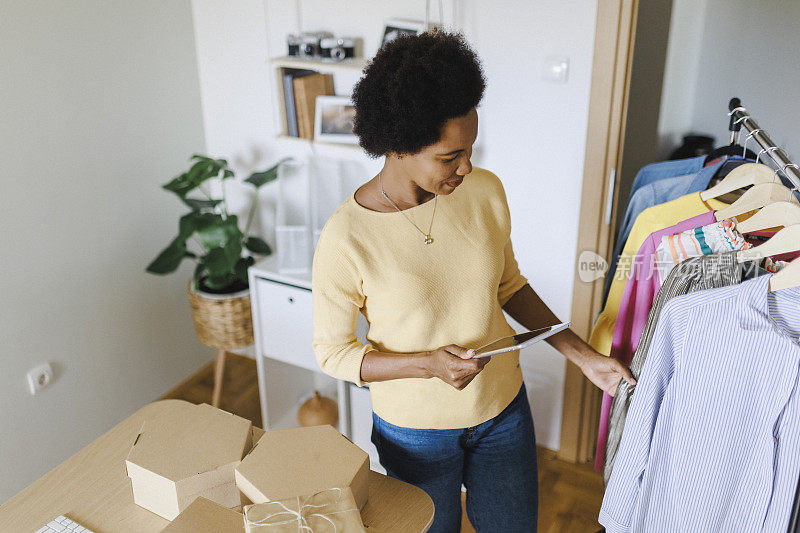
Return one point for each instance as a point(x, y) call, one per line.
point(428, 238)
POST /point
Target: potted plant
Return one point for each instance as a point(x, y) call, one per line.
point(218, 291)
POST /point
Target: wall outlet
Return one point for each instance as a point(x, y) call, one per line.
point(39, 377)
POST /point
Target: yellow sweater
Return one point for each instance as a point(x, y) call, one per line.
point(418, 297)
point(652, 219)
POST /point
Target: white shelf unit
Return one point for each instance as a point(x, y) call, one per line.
point(355, 64)
point(280, 300)
point(311, 147)
point(350, 68)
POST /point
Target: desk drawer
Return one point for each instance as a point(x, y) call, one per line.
point(285, 323)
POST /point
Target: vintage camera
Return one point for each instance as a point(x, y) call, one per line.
point(309, 43)
point(294, 41)
point(337, 49)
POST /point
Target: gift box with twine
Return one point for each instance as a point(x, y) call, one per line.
point(327, 511)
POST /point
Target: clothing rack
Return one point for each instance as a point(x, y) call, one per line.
point(740, 117)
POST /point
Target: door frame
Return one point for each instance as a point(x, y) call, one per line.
point(615, 32)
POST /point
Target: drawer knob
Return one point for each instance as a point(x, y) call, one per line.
point(291, 300)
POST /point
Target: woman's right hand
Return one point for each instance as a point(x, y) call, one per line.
point(454, 365)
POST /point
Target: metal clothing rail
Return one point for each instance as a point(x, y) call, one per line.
point(740, 117)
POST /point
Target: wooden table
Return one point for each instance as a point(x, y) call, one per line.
point(92, 487)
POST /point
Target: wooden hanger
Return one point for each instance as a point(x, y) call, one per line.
point(741, 176)
point(785, 241)
point(757, 197)
point(775, 215)
point(786, 278)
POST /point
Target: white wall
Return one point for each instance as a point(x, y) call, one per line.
point(100, 107)
point(532, 132)
point(725, 48)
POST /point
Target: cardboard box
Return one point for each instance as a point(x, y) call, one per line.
point(329, 511)
point(189, 453)
point(205, 515)
point(289, 463)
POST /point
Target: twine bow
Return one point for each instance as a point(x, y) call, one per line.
point(301, 515)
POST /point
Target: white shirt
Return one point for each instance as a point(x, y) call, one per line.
point(712, 439)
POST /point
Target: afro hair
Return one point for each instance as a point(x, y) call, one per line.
point(412, 86)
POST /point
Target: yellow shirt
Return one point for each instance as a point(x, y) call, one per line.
point(651, 219)
point(418, 297)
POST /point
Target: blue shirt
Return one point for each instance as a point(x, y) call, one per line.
point(658, 183)
point(712, 439)
point(666, 169)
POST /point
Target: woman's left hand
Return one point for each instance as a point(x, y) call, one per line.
point(605, 372)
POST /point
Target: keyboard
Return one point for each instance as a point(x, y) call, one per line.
point(62, 524)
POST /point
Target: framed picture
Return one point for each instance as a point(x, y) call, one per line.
point(397, 27)
point(333, 120)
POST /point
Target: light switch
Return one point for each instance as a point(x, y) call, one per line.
point(556, 69)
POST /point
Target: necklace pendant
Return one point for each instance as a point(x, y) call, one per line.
point(428, 239)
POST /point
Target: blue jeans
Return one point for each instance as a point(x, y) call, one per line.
point(495, 460)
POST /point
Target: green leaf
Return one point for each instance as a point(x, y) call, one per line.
point(179, 185)
point(215, 231)
point(169, 259)
point(197, 171)
point(198, 273)
point(197, 205)
point(219, 283)
point(241, 268)
point(260, 178)
point(186, 225)
point(233, 251)
point(257, 246)
point(203, 169)
point(217, 263)
point(190, 254)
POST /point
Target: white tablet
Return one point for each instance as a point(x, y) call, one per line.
point(518, 341)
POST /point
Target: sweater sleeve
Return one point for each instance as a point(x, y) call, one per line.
point(337, 298)
point(512, 279)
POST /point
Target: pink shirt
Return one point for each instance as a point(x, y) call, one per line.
point(637, 299)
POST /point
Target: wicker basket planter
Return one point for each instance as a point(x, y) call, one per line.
point(221, 321)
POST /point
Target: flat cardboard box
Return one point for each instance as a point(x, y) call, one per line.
point(190, 453)
point(205, 515)
point(329, 511)
point(289, 463)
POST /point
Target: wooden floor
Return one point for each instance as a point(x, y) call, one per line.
point(569, 495)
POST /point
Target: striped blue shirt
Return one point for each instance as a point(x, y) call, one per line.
point(712, 439)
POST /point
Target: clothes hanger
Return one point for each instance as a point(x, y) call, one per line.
point(756, 197)
point(734, 148)
point(788, 277)
point(741, 176)
point(785, 241)
point(776, 215)
point(730, 149)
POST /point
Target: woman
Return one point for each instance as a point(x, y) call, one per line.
point(433, 281)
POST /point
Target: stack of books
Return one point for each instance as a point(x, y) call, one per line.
point(300, 91)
